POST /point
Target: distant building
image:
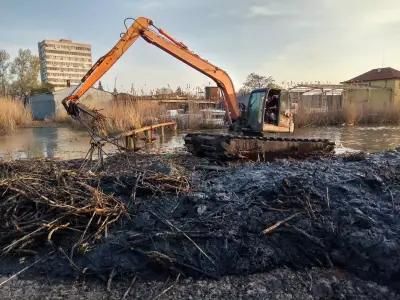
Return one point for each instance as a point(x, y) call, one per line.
point(212, 93)
point(63, 62)
point(319, 98)
point(387, 78)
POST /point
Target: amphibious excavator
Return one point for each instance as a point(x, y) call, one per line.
point(267, 111)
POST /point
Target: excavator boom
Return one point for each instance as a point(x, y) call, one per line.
point(105, 62)
point(143, 27)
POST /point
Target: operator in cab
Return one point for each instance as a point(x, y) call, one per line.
point(271, 109)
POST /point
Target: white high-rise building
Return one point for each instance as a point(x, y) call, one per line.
point(63, 62)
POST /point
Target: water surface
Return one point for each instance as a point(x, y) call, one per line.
point(68, 143)
point(65, 143)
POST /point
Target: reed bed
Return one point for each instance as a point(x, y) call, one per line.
point(350, 116)
point(122, 116)
point(132, 115)
point(13, 114)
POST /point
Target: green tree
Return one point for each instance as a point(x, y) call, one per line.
point(25, 69)
point(256, 81)
point(4, 68)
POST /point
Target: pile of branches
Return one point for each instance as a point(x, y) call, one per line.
point(146, 174)
point(161, 183)
point(41, 201)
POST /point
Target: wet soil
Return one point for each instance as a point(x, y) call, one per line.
point(275, 230)
point(277, 284)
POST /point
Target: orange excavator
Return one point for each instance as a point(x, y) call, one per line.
point(267, 111)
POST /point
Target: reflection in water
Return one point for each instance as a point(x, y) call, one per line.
point(63, 143)
point(49, 142)
point(66, 143)
point(368, 139)
point(46, 139)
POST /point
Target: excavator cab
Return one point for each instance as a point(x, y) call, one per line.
point(268, 111)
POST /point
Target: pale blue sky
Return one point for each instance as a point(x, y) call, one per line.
point(291, 40)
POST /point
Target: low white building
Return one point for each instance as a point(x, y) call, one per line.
point(46, 105)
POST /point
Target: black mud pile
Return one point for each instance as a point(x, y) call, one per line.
point(328, 213)
point(339, 212)
point(280, 283)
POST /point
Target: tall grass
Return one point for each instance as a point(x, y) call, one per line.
point(126, 115)
point(13, 114)
point(132, 115)
point(305, 118)
point(122, 116)
point(350, 115)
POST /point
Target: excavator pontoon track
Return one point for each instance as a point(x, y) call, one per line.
point(236, 146)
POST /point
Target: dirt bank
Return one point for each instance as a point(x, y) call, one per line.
point(185, 218)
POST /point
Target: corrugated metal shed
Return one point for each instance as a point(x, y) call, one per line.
point(319, 98)
point(46, 105)
point(42, 106)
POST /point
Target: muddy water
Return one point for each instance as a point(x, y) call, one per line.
point(64, 143)
point(67, 143)
point(368, 139)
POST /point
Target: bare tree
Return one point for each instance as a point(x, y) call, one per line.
point(179, 91)
point(25, 69)
point(163, 91)
point(256, 81)
point(4, 66)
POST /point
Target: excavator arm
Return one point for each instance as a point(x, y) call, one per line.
point(143, 27)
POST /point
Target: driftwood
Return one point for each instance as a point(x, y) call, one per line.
point(270, 229)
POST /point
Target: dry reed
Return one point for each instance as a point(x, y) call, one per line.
point(41, 199)
point(131, 115)
point(122, 116)
point(197, 117)
point(13, 113)
point(350, 115)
